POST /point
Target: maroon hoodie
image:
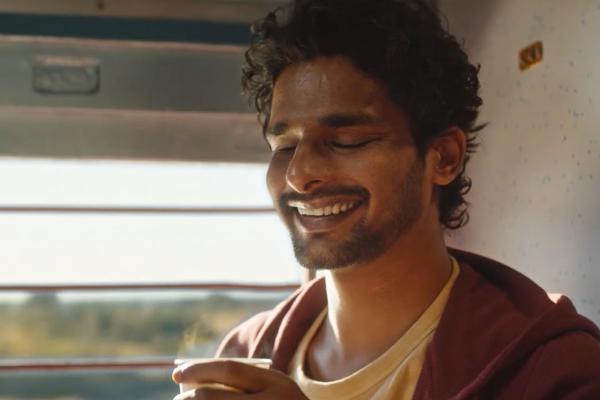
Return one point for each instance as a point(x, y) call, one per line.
point(499, 337)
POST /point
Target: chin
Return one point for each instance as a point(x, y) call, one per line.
point(310, 256)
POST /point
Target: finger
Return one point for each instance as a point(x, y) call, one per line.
point(208, 394)
point(231, 373)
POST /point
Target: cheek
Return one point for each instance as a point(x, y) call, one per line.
point(377, 172)
point(387, 175)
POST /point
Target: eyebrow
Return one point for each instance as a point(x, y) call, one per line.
point(332, 121)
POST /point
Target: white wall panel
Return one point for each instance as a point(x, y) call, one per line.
point(536, 193)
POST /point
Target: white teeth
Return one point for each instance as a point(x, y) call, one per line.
point(335, 209)
point(316, 212)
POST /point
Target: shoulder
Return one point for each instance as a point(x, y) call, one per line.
point(501, 333)
point(567, 367)
point(275, 333)
point(239, 341)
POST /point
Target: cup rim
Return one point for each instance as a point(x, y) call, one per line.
point(245, 360)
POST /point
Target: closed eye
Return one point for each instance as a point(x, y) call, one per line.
point(284, 149)
point(352, 145)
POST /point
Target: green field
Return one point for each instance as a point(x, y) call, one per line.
point(46, 327)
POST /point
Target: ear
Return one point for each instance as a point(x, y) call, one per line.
point(446, 155)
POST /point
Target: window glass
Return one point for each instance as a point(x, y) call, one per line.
point(45, 248)
point(122, 183)
point(84, 248)
point(124, 325)
point(98, 248)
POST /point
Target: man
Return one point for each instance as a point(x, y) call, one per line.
point(369, 108)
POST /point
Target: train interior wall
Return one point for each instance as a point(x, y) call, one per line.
point(536, 176)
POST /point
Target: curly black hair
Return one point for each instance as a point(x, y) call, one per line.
point(402, 44)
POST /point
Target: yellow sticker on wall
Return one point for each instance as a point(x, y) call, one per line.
point(531, 55)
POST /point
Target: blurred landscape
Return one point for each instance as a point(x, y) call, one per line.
point(44, 326)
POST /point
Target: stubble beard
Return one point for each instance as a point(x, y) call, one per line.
point(364, 244)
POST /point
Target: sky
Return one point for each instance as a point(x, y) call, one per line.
point(113, 248)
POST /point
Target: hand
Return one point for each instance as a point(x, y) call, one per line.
point(252, 382)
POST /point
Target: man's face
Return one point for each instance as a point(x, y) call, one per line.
point(344, 174)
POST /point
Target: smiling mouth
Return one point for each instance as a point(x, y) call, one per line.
point(332, 209)
point(328, 217)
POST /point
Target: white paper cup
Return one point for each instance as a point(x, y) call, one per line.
point(184, 387)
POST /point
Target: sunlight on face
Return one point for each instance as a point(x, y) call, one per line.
point(344, 174)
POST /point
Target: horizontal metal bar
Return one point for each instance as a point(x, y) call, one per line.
point(149, 286)
point(133, 210)
point(83, 365)
point(204, 10)
point(103, 44)
point(126, 28)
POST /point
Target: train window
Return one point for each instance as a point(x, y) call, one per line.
point(193, 214)
point(115, 268)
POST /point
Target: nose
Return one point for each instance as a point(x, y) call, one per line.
point(309, 168)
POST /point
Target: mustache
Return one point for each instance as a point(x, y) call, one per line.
point(285, 198)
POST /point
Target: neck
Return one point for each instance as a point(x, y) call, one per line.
point(371, 306)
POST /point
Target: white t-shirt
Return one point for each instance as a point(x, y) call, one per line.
point(393, 375)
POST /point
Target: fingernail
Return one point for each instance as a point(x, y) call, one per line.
point(176, 376)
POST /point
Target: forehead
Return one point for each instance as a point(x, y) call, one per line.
point(325, 86)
